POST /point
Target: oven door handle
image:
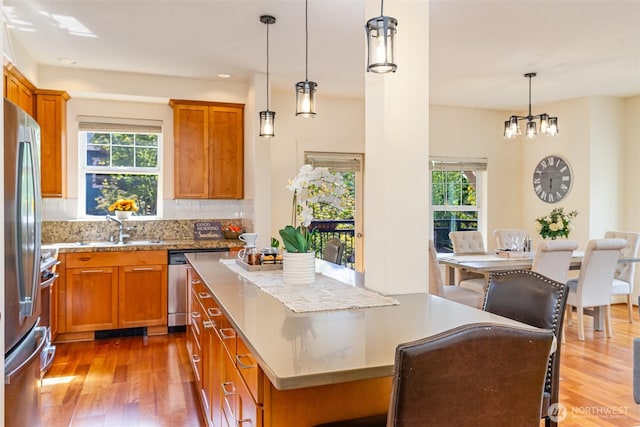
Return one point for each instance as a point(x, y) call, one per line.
point(49, 281)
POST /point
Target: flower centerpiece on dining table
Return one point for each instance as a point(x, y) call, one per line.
point(556, 224)
point(123, 208)
point(311, 185)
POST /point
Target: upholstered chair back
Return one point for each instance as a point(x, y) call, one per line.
point(625, 271)
point(596, 273)
point(467, 242)
point(504, 236)
point(553, 259)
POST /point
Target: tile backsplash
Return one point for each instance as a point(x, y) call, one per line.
point(137, 229)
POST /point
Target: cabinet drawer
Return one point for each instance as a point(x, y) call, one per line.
point(229, 390)
point(115, 259)
point(249, 370)
point(248, 413)
point(196, 358)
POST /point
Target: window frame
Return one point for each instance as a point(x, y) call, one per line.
point(124, 126)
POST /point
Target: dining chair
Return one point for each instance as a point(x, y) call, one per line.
point(625, 273)
point(537, 300)
point(553, 259)
point(454, 293)
point(504, 237)
point(496, 372)
point(333, 251)
point(468, 243)
point(593, 286)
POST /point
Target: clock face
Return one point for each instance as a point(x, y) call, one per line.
point(552, 179)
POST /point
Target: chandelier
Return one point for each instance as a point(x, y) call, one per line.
point(548, 125)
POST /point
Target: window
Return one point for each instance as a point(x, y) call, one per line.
point(119, 161)
point(455, 188)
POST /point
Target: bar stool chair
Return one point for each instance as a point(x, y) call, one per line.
point(496, 371)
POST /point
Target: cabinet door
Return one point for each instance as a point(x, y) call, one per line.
point(51, 110)
point(226, 152)
point(91, 295)
point(19, 90)
point(142, 296)
point(191, 151)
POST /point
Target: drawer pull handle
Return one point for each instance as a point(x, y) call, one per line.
point(142, 269)
point(227, 333)
point(228, 389)
point(195, 358)
point(245, 420)
point(241, 365)
point(214, 312)
point(195, 281)
point(208, 324)
point(195, 315)
point(91, 271)
point(204, 295)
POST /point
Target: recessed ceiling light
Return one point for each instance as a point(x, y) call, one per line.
point(67, 61)
point(224, 75)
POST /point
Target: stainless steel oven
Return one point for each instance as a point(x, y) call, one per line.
point(177, 291)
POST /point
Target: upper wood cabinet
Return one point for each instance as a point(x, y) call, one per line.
point(49, 108)
point(51, 112)
point(18, 89)
point(209, 150)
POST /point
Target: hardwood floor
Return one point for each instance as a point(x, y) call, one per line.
point(132, 382)
point(123, 382)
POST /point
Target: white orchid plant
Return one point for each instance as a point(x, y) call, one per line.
point(311, 185)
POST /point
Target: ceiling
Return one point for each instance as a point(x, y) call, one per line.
point(479, 49)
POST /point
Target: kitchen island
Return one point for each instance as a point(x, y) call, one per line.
point(319, 366)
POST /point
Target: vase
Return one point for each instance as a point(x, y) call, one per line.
point(299, 268)
point(123, 214)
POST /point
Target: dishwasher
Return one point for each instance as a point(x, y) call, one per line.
point(177, 287)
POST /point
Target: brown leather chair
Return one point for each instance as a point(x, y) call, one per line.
point(481, 374)
point(536, 300)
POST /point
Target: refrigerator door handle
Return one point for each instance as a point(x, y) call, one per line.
point(41, 331)
point(29, 191)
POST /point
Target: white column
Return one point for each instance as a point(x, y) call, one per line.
point(257, 165)
point(397, 193)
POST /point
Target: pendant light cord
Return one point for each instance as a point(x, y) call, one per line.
point(382, 8)
point(306, 37)
point(268, 66)
point(529, 118)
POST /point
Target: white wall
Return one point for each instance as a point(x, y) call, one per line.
point(337, 127)
point(466, 132)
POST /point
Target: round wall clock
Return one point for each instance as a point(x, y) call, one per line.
point(552, 179)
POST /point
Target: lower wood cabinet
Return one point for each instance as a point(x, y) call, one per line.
point(111, 290)
point(212, 344)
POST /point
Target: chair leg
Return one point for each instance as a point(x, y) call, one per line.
point(607, 321)
point(580, 310)
point(568, 319)
point(630, 308)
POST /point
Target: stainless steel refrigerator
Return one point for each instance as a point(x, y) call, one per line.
point(24, 338)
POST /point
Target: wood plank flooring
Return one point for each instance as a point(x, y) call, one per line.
point(148, 382)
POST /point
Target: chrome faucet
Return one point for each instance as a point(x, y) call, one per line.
point(121, 234)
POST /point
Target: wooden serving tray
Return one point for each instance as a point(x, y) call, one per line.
point(263, 267)
point(513, 254)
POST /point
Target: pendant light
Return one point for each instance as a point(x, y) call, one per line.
point(548, 125)
point(306, 90)
point(381, 32)
point(267, 118)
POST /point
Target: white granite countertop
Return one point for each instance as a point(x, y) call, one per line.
point(297, 350)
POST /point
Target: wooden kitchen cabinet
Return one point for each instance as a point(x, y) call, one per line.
point(18, 89)
point(92, 295)
point(51, 114)
point(142, 301)
point(208, 150)
point(111, 290)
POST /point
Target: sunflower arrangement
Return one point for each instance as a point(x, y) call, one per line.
point(124, 205)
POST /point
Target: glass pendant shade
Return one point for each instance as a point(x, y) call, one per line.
point(531, 130)
point(381, 33)
point(306, 99)
point(267, 123)
point(553, 126)
point(544, 124)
